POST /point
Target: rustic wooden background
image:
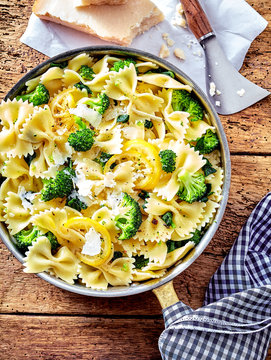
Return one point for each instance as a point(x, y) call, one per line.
point(40, 321)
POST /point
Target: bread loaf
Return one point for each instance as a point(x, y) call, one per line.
point(119, 24)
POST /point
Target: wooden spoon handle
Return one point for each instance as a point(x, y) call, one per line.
point(196, 18)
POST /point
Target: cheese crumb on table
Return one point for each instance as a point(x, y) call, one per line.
point(241, 92)
point(218, 103)
point(218, 92)
point(179, 53)
point(170, 42)
point(212, 88)
point(164, 51)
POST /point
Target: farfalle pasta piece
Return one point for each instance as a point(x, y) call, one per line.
point(196, 129)
point(172, 257)
point(163, 81)
point(92, 277)
point(63, 264)
point(104, 65)
point(16, 216)
point(153, 229)
point(156, 252)
point(15, 167)
point(216, 181)
point(79, 60)
point(110, 141)
point(54, 219)
point(122, 84)
point(186, 217)
point(119, 272)
point(147, 103)
point(187, 159)
point(209, 212)
point(13, 115)
point(131, 246)
point(140, 275)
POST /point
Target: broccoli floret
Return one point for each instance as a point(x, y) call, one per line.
point(100, 103)
point(61, 65)
point(122, 63)
point(208, 168)
point(117, 255)
point(168, 160)
point(148, 124)
point(73, 201)
point(169, 73)
point(197, 235)
point(168, 219)
point(37, 97)
point(60, 186)
point(53, 240)
point(173, 245)
point(140, 261)
point(102, 160)
point(130, 222)
point(28, 158)
point(82, 86)
point(195, 110)
point(182, 100)
point(86, 72)
point(208, 192)
point(82, 140)
point(192, 186)
point(123, 118)
point(207, 143)
point(25, 238)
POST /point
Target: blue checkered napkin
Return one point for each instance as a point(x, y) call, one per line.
point(234, 323)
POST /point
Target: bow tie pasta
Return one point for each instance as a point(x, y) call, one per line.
point(110, 171)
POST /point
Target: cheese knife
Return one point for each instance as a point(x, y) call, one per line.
point(228, 90)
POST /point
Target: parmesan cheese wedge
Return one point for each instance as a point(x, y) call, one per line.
point(119, 24)
point(99, 2)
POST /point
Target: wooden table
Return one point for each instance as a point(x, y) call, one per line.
point(40, 321)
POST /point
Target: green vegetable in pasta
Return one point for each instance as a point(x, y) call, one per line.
point(168, 160)
point(60, 186)
point(25, 238)
point(37, 97)
point(207, 193)
point(168, 219)
point(130, 221)
point(61, 65)
point(144, 195)
point(117, 255)
point(140, 261)
point(123, 118)
point(192, 186)
point(82, 86)
point(121, 64)
point(100, 103)
point(207, 142)
point(196, 237)
point(161, 71)
point(182, 100)
point(73, 201)
point(86, 72)
point(82, 139)
point(208, 168)
point(102, 160)
point(148, 124)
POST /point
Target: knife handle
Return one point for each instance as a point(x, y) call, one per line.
point(196, 19)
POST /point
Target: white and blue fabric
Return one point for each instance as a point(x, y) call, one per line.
point(235, 321)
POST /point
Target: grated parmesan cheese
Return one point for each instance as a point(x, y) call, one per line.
point(93, 244)
point(92, 116)
point(164, 51)
point(212, 88)
point(241, 92)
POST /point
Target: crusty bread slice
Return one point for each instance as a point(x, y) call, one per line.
point(119, 24)
point(99, 2)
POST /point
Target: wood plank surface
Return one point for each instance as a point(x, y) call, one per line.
point(40, 321)
point(79, 338)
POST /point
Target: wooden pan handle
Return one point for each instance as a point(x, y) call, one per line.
point(166, 295)
point(196, 18)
